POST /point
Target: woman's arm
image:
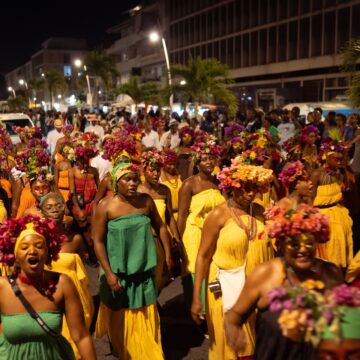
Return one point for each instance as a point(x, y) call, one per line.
point(160, 230)
point(98, 233)
point(75, 319)
point(102, 190)
point(170, 215)
point(80, 213)
point(185, 194)
point(56, 174)
point(213, 224)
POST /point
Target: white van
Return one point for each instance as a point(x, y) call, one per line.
point(15, 119)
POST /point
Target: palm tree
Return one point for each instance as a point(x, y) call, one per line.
point(101, 66)
point(35, 85)
point(351, 56)
point(55, 81)
point(17, 104)
point(204, 79)
point(148, 92)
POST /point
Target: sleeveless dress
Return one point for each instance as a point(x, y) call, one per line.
point(130, 317)
point(174, 187)
point(339, 249)
point(63, 184)
point(200, 206)
point(88, 187)
point(72, 265)
point(232, 249)
point(24, 339)
point(159, 270)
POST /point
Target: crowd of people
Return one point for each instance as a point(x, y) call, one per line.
point(258, 214)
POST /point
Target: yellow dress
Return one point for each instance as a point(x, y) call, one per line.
point(6, 185)
point(174, 187)
point(200, 206)
point(231, 249)
point(27, 201)
point(339, 249)
point(353, 271)
point(159, 270)
point(63, 184)
point(72, 265)
point(3, 213)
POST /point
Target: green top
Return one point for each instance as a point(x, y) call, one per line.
point(132, 255)
point(23, 338)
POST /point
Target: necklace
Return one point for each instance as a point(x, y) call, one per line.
point(172, 182)
point(251, 228)
point(46, 286)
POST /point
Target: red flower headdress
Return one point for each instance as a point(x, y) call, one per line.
point(152, 158)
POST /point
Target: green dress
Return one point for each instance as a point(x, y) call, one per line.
point(132, 255)
point(23, 338)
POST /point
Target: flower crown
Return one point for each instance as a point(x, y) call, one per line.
point(239, 175)
point(152, 158)
point(11, 229)
point(169, 156)
point(35, 163)
point(259, 138)
point(253, 156)
point(133, 131)
point(291, 173)
point(237, 143)
point(117, 146)
point(68, 128)
point(306, 131)
point(208, 147)
point(28, 131)
point(186, 132)
point(83, 154)
point(87, 139)
point(306, 311)
point(329, 146)
point(231, 130)
point(285, 223)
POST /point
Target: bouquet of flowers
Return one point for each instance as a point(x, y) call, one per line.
point(253, 156)
point(118, 146)
point(292, 172)
point(134, 132)
point(306, 219)
point(152, 158)
point(233, 130)
point(259, 138)
point(306, 311)
point(237, 143)
point(238, 175)
point(28, 131)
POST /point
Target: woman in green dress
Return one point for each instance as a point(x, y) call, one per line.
point(27, 245)
point(126, 250)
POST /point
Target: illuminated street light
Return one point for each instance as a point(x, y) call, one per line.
point(78, 63)
point(59, 96)
point(23, 82)
point(99, 92)
point(183, 82)
point(154, 36)
point(42, 75)
point(11, 89)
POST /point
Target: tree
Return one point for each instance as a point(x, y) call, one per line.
point(17, 104)
point(205, 79)
point(55, 81)
point(35, 85)
point(147, 93)
point(100, 66)
point(351, 56)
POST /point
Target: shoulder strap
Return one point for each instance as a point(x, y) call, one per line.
point(30, 309)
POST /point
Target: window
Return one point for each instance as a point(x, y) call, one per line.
point(283, 7)
point(293, 36)
point(304, 6)
point(254, 8)
point(237, 16)
point(263, 13)
point(245, 50)
point(245, 14)
point(316, 5)
point(304, 38)
point(203, 27)
point(230, 52)
point(262, 47)
point(282, 36)
point(272, 10)
point(329, 39)
point(223, 52)
point(272, 44)
point(237, 52)
point(223, 21)
point(343, 27)
point(230, 18)
point(216, 50)
point(209, 34)
point(254, 49)
point(293, 7)
point(316, 33)
point(217, 20)
point(67, 59)
point(355, 21)
point(330, 3)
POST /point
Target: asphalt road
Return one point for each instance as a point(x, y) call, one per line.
point(181, 339)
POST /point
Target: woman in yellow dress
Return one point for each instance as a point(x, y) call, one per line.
point(170, 177)
point(70, 260)
point(231, 247)
point(327, 196)
point(198, 195)
point(152, 162)
point(61, 170)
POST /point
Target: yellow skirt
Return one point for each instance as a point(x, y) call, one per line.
point(134, 333)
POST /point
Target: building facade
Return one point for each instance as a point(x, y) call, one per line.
point(279, 51)
point(55, 54)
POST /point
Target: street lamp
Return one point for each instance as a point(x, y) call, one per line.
point(154, 36)
point(183, 82)
point(11, 89)
point(23, 82)
point(78, 64)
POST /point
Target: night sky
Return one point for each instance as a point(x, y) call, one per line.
point(25, 25)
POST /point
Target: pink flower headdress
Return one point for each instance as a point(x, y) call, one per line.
point(291, 173)
point(152, 158)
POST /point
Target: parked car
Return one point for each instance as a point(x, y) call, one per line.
point(10, 120)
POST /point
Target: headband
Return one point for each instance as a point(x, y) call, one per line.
point(28, 231)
